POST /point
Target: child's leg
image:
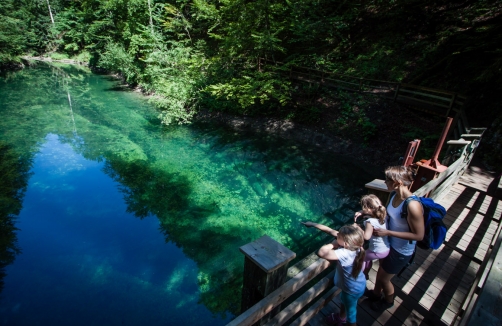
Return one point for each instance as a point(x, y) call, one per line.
point(370, 255)
point(343, 312)
point(349, 307)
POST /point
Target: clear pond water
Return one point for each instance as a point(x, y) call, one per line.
point(109, 218)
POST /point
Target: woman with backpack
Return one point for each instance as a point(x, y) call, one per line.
point(403, 234)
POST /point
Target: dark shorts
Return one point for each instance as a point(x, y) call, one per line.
point(394, 262)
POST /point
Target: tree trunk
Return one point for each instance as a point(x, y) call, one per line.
point(50, 12)
point(150, 12)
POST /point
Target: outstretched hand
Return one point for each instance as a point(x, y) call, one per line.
point(308, 224)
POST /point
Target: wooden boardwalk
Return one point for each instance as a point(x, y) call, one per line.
point(433, 291)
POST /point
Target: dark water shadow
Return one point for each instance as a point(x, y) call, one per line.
point(119, 88)
point(14, 175)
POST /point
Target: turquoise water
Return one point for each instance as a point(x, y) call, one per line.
point(110, 218)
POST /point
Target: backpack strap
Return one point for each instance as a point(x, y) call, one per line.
point(404, 209)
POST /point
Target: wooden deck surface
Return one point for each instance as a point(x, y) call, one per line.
point(434, 289)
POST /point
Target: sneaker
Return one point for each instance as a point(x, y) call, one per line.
point(335, 319)
point(381, 305)
point(371, 295)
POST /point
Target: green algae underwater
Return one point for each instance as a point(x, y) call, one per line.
point(123, 221)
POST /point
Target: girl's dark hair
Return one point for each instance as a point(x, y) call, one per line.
point(354, 239)
point(373, 204)
point(400, 173)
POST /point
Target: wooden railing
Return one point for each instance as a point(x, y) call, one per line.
point(437, 189)
point(323, 291)
point(460, 151)
point(435, 101)
point(300, 274)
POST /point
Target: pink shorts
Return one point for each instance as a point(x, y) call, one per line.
point(371, 255)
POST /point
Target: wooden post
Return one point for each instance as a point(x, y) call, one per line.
point(265, 269)
point(454, 132)
point(379, 188)
point(452, 102)
point(397, 92)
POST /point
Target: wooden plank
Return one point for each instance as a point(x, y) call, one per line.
point(267, 253)
point(302, 264)
point(442, 176)
point(441, 191)
point(428, 89)
point(317, 320)
point(377, 184)
point(384, 318)
point(458, 142)
point(330, 308)
point(316, 307)
point(477, 129)
point(302, 301)
point(364, 79)
point(471, 136)
point(256, 312)
point(363, 317)
point(446, 99)
point(342, 81)
point(422, 101)
point(486, 300)
point(497, 240)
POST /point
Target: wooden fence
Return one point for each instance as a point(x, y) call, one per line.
point(434, 101)
point(316, 297)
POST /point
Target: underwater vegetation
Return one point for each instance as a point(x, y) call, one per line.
point(211, 189)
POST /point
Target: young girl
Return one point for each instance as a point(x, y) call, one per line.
point(349, 257)
point(374, 214)
point(347, 250)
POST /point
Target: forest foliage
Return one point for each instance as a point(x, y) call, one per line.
point(204, 53)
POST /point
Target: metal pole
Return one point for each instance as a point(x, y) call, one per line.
point(441, 140)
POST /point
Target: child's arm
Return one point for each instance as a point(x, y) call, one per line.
point(368, 231)
point(328, 251)
point(321, 227)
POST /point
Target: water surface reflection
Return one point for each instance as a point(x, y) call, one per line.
point(128, 222)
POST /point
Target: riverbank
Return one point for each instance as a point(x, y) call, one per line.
point(49, 59)
point(394, 126)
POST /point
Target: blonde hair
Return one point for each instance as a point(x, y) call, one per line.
point(373, 204)
point(353, 238)
point(401, 174)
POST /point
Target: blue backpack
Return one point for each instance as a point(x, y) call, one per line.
point(435, 230)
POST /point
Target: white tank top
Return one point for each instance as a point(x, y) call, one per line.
point(396, 223)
